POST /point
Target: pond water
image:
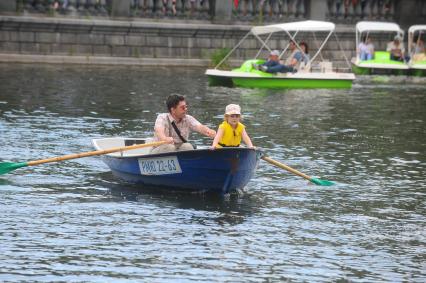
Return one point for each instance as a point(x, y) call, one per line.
point(74, 222)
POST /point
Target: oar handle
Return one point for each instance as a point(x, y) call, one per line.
point(285, 167)
point(92, 153)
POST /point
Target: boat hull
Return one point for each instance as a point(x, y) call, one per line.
point(418, 69)
point(291, 83)
point(220, 81)
point(222, 171)
point(378, 70)
point(380, 65)
point(302, 80)
point(418, 72)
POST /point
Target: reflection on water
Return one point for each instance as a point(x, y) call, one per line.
point(74, 221)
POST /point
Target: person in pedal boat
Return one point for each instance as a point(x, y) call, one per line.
point(231, 131)
point(418, 50)
point(397, 50)
point(366, 49)
point(175, 126)
point(273, 64)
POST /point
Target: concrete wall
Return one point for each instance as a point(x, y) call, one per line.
point(26, 39)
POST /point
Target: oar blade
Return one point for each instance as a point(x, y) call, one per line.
point(321, 182)
point(6, 167)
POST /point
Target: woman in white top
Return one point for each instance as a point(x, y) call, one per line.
point(366, 49)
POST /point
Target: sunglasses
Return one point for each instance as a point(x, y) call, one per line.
point(234, 115)
point(183, 107)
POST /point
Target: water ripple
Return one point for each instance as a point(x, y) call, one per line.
point(75, 222)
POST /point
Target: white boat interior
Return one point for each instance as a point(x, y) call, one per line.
point(108, 143)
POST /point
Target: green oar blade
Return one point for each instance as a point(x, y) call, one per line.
point(321, 182)
point(6, 167)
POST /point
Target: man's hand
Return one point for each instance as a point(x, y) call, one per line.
point(211, 133)
point(169, 140)
point(204, 130)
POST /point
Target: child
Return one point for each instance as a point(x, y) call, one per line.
point(231, 131)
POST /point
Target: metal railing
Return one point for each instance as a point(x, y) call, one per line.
point(269, 10)
point(245, 11)
point(352, 11)
point(192, 9)
point(64, 7)
point(183, 9)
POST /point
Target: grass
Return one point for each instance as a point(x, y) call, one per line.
point(218, 56)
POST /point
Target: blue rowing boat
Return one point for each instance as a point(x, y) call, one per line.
point(223, 170)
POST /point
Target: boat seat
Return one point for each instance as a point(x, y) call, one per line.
point(326, 67)
point(304, 68)
point(381, 55)
point(119, 142)
point(128, 142)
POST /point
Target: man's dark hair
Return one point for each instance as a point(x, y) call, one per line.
point(173, 100)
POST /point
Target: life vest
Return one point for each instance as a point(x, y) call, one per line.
point(231, 136)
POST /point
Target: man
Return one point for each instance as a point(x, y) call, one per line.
point(174, 127)
point(273, 64)
point(396, 49)
point(295, 57)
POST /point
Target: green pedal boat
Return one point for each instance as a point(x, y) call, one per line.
point(314, 74)
point(416, 49)
point(381, 62)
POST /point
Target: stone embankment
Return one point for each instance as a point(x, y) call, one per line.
point(97, 41)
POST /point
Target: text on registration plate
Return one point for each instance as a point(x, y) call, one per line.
point(159, 166)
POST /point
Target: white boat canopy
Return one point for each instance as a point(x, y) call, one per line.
point(411, 31)
point(377, 26)
point(294, 26)
point(288, 28)
point(415, 28)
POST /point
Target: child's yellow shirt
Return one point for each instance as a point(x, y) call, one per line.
point(231, 137)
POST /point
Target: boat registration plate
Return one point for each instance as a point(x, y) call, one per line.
point(159, 166)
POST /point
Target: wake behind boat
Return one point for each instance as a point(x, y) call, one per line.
point(312, 75)
point(223, 170)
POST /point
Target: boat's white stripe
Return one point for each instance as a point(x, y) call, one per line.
point(299, 75)
point(418, 66)
point(381, 66)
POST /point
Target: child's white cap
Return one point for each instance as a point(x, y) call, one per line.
point(232, 109)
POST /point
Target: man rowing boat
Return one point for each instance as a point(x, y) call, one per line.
point(175, 126)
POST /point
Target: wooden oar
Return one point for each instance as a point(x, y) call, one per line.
point(6, 167)
point(294, 171)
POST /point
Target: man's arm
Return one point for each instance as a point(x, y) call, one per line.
point(160, 133)
point(195, 125)
point(204, 130)
point(296, 58)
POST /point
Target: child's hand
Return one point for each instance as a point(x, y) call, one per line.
point(212, 147)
